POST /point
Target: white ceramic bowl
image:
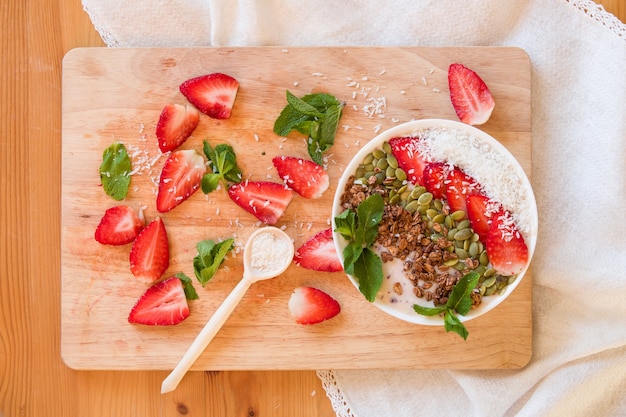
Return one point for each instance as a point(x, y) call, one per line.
point(471, 142)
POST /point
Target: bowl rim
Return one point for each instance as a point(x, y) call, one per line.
point(412, 128)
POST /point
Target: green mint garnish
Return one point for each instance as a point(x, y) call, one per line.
point(459, 302)
point(360, 229)
point(314, 115)
point(224, 169)
point(190, 291)
point(210, 257)
point(115, 171)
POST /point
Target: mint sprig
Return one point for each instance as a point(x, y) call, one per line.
point(459, 302)
point(314, 115)
point(360, 229)
point(115, 171)
point(224, 168)
point(210, 256)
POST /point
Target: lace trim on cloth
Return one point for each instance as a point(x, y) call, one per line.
point(600, 15)
point(334, 394)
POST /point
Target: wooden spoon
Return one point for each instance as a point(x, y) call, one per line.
point(267, 254)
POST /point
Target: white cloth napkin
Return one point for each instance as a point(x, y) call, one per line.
point(578, 55)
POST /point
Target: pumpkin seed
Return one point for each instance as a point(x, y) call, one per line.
point(412, 206)
point(458, 215)
point(379, 154)
point(490, 290)
point(368, 159)
point(451, 262)
point(400, 174)
point(463, 234)
point(439, 218)
point(417, 192)
point(382, 164)
point(391, 160)
point(461, 253)
point(395, 199)
point(490, 281)
point(425, 198)
point(387, 148)
point(464, 224)
point(473, 249)
point(483, 258)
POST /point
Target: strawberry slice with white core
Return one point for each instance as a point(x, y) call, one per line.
point(119, 226)
point(480, 210)
point(458, 186)
point(303, 176)
point(505, 245)
point(266, 200)
point(150, 254)
point(181, 176)
point(434, 178)
point(471, 99)
point(175, 125)
point(212, 94)
point(319, 253)
point(406, 151)
point(309, 305)
point(163, 304)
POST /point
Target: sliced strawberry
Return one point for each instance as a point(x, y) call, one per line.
point(175, 125)
point(266, 200)
point(480, 210)
point(434, 178)
point(458, 186)
point(119, 226)
point(505, 245)
point(406, 151)
point(318, 253)
point(163, 304)
point(150, 254)
point(181, 177)
point(309, 305)
point(471, 99)
point(213, 94)
point(303, 176)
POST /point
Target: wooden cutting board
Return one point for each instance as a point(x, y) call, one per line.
point(117, 95)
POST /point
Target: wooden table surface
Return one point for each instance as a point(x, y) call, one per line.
point(34, 36)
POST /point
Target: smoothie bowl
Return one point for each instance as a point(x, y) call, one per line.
point(430, 204)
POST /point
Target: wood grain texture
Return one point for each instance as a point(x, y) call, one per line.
point(33, 379)
point(121, 92)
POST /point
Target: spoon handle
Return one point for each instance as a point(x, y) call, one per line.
point(205, 336)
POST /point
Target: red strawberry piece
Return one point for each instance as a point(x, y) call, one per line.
point(458, 186)
point(181, 177)
point(480, 210)
point(266, 200)
point(434, 178)
point(318, 253)
point(471, 99)
point(164, 303)
point(406, 151)
point(150, 254)
point(119, 226)
point(309, 305)
point(505, 245)
point(175, 125)
point(303, 176)
point(213, 94)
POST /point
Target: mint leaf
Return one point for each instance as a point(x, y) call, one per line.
point(360, 229)
point(115, 171)
point(210, 257)
point(462, 290)
point(451, 323)
point(429, 311)
point(459, 301)
point(314, 115)
point(346, 224)
point(369, 214)
point(224, 168)
point(368, 269)
point(302, 107)
point(190, 291)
